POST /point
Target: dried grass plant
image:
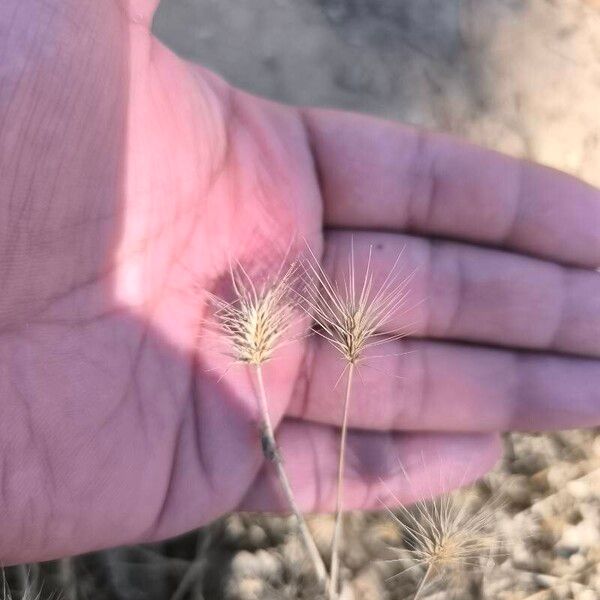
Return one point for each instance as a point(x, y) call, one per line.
point(353, 316)
point(446, 537)
point(255, 324)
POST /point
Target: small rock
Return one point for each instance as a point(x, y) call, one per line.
point(244, 564)
point(257, 536)
point(368, 585)
point(580, 489)
point(518, 490)
point(596, 446)
point(578, 562)
point(560, 474)
point(234, 529)
point(582, 535)
point(321, 528)
point(251, 588)
point(293, 551)
point(268, 564)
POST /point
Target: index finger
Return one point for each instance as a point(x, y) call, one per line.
point(378, 175)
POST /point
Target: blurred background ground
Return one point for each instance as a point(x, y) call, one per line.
point(520, 76)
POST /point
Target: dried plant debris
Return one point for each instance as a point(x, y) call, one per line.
point(445, 538)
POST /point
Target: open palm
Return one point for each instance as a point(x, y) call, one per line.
point(129, 180)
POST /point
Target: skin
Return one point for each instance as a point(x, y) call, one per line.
point(130, 179)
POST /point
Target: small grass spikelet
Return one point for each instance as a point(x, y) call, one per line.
point(444, 537)
point(255, 321)
point(351, 316)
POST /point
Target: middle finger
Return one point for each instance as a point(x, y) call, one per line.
point(463, 292)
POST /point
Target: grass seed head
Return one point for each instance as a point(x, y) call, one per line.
point(255, 321)
point(351, 316)
point(446, 536)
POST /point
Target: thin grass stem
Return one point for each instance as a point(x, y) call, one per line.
point(339, 502)
point(424, 582)
point(271, 452)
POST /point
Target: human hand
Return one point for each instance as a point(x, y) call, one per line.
point(129, 181)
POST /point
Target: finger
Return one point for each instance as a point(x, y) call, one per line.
point(375, 174)
point(429, 386)
point(381, 468)
point(464, 292)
